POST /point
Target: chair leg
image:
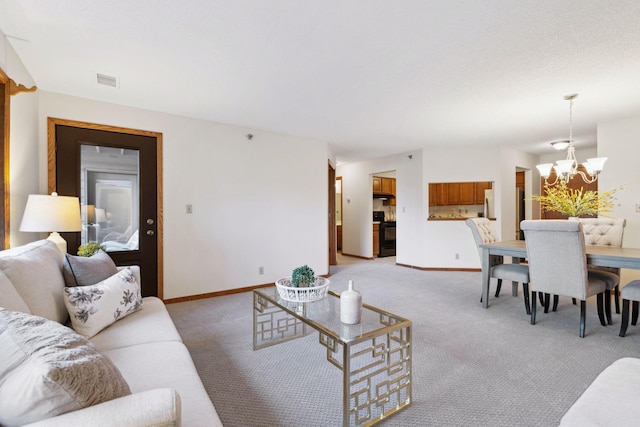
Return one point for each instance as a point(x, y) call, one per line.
point(547, 299)
point(634, 313)
point(541, 298)
point(607, 306)
point(625, 317)
point(616, 295)
point(533, 307)
point(583, 317)
point(600, 303)
point(525, 291)
point(573, 300)
point(555, 303)
point(498, 288)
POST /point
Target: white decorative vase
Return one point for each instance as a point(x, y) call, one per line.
point(350, 305)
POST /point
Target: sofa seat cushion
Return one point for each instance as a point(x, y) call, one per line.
point(167, 364)
point(93, 308)
point(47, 369)
point(150, 324)
point(85, 271)
point(611, 400)
point(35, 270)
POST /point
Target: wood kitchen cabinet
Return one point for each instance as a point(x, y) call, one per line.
point(457, 193)
point(438, 194)
point(468, 193)
point(387, 185)
point(453, 193)
point(383, 185)
point(480, 187)
point(377, 185)
point(376, 239)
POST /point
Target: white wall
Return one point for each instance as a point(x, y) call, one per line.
point(255, 203)
point(357, 233)
point(422, 243)
point(24, 173)
point(619, 141)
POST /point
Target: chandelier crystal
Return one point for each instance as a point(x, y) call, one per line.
point(568, 168)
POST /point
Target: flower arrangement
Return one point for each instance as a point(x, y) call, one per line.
point(574, 202)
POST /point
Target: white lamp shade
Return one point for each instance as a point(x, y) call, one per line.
point(596, 164)
point(45, 213)
point(545, 169)
point(89, 213)
point(101, 215)
point(565, 166)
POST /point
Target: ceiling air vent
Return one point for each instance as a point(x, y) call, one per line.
point(103, 79)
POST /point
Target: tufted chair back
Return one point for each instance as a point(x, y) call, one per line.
point(483, 232)
point(603, 231)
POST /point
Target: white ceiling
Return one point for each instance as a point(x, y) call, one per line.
point(370, 77)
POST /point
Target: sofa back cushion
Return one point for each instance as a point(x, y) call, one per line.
point(87, 271)
point(9, 297)
point(35, 269)
point(46, 369)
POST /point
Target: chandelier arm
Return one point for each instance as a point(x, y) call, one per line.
point(555, 181)
point(587, 178)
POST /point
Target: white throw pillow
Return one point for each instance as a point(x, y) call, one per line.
point(46, 369)
point(93, 308)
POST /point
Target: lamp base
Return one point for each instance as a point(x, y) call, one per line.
point(56, 238)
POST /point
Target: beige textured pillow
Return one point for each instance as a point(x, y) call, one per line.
point(46, 369)
point(84, 271)
point(93, 308)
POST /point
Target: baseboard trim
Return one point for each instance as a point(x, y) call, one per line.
point(216, 294)
point(439, 268)
point(358, 256)
point(222, 293)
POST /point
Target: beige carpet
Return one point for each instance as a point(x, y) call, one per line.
point(471, 366)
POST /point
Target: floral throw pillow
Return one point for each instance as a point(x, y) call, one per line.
point(93, 308)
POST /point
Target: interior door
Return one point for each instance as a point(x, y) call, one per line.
point(115, 175)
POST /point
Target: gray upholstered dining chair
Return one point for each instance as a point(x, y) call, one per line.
point(483, 232)
point(605, 232)
point(631, 292)
point(558, 265)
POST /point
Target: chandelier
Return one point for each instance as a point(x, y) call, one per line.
point(568, 168)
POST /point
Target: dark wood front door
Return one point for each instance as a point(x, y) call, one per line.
point(115, 175)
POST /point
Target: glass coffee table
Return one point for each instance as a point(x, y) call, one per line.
point(374, 355)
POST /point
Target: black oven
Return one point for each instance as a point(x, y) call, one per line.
point(387, 239)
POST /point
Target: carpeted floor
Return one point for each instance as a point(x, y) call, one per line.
point(471, 366)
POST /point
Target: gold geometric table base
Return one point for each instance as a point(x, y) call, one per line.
point(376, 366)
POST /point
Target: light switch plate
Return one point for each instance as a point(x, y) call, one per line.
point(637, 207)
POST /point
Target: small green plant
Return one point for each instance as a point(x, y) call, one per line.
point(89, 249)
point(303, 277)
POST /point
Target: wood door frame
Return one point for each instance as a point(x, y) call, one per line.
point(5, 109)
point(332, 216)
point(51, 157)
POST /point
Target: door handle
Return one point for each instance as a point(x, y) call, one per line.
point(150, 221)
point(150, 233)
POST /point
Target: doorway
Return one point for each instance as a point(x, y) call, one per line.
point(116, 173)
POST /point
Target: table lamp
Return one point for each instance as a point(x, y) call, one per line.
point(52, 214)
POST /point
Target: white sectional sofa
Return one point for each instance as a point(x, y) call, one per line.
point(144, 346)
point(610, 400)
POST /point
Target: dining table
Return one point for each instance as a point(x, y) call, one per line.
point(605, 256)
